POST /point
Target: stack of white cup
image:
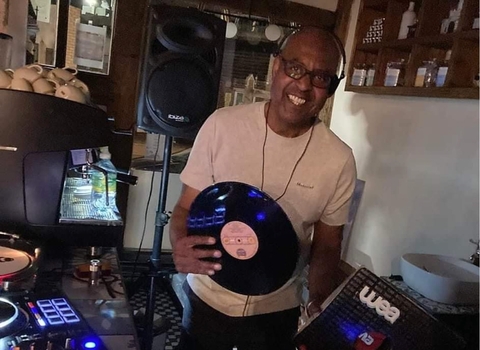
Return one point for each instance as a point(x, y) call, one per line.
point(59, 82)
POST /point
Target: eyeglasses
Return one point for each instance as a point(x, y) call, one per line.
point(295, 70)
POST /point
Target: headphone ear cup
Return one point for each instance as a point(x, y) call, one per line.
point(333, 85)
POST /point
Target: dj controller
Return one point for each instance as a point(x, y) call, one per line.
point(35, 316)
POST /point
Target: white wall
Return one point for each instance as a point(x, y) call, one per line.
point(420, 160)
point(137, 204)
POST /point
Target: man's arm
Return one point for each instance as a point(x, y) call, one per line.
point(186, 255)
point(324, 263)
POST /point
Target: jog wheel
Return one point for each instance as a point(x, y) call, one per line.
point(12, 319)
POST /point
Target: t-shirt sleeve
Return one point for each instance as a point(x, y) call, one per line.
point(198, 172)
point(336, 211)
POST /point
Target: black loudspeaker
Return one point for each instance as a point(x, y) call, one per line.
point(180, 70)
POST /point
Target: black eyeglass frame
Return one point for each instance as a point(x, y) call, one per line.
point(311, 74)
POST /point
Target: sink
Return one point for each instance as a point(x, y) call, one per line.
point(441, 278)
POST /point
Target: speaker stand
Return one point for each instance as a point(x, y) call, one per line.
point(155, 266)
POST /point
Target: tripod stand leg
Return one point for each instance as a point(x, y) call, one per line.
point(155, 263)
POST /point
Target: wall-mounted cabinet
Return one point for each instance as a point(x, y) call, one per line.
point(443, 40)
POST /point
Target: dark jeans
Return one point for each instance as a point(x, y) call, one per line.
point(204, 328)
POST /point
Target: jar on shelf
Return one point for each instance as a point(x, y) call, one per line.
point(443, 69)
point(430, 73)
point(426, 74)
point(395, 73)
point(359, 74)
point(370, 75)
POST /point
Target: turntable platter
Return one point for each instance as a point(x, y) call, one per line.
point(12, 261)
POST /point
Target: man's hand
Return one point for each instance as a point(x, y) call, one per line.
point(187, 255)
point(189, 251)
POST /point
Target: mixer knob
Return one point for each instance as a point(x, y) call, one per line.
point(69, 344)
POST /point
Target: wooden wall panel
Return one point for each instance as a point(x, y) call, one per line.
point(118, 91)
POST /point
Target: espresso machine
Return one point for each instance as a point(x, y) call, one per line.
point(40, 174)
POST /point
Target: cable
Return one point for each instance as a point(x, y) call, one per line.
point(146, 210)
point(245, 306)
point(297, 161)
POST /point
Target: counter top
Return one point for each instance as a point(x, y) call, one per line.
point(104, 307)
point(433, 306)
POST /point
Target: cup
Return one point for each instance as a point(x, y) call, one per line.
point(21, 84)
point(45, 72)
point(31, 73)
point(65, 74)
point(81, 85)
point(71, 93)
point(44, 86)
point(57, 81)
point(5, 79)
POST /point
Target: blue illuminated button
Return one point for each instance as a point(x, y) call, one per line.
point(90, 345)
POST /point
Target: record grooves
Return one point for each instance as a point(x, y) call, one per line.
point(258, 243)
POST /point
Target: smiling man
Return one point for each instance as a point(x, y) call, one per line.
point(282, 148)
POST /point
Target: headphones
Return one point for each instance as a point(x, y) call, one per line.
point(338, 43)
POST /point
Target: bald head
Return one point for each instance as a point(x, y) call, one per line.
point(313, 39)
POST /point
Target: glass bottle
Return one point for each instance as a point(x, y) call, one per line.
point(370, 75)
point(395, 73)
point(99, 184)
point(430, 73)
point(359, 74)
point(408, 19)
point(443, 69)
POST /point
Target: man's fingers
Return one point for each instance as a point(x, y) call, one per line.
point(198, 240)
point(200, 267)
point(200, 253)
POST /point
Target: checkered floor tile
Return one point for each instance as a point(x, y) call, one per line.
point(165, 307)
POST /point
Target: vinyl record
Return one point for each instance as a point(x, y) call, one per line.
point(259, 246)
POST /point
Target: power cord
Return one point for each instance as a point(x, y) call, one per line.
point(146, 210)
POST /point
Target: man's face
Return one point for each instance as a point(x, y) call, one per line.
point(296, 101)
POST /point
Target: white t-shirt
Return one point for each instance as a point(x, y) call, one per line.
point(229, 147)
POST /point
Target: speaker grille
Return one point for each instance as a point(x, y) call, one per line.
point(181, 70)
point(179, 94)
point(186, 35)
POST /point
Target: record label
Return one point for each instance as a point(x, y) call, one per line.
point(239, 240)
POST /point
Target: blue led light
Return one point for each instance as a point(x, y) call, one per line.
point(254, 194)
point(261, 216)
point(90, 345)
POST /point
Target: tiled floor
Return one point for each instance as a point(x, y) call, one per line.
point(167, 304)
point(165, 307)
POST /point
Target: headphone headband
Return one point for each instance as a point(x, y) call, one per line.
point(338, 44)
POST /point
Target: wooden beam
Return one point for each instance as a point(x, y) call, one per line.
point(280, 13)
point(342, 21)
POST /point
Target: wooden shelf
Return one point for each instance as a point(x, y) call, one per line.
point(427, 44)
point(440, 40)
point(441, 92)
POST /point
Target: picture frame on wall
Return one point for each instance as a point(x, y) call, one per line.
point(238, 97)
